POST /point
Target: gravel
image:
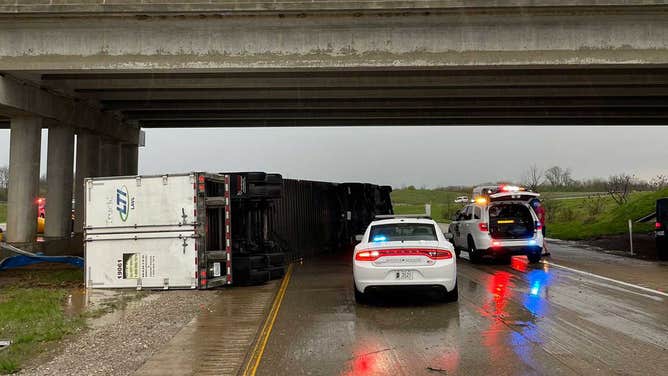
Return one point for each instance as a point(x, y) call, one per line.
point(118, 343)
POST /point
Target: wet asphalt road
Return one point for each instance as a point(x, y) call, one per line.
point(510, 320)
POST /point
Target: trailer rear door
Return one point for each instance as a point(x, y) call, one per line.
point(141, 232)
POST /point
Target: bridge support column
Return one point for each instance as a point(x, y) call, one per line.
point(110, 158)
point(88, 165)
point(130, 159)
point(23, 189)
point(59, 176)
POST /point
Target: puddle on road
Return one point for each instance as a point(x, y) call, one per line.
point(109, 304)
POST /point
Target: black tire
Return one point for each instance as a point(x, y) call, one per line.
point(276, 272)
point(450, 296)
point(534, 257)
point(274, 179)
point(259, 277)
point(360, 297)
point(269, 191)
point(250, 262)
point(276, 259)
point(252, 177)
point(458, 252)
point(473, 252)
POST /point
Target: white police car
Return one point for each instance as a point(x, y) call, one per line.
point(404, 252)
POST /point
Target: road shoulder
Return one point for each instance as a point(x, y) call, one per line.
point(648, 274)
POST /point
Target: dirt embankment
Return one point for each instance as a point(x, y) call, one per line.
point(644, 245)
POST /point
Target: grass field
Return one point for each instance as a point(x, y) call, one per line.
point(31, 313)
point(571, 215)
point(573, 219)
point(411, 201)
point(3, 212)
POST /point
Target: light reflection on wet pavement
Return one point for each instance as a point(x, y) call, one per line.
point(510, 319)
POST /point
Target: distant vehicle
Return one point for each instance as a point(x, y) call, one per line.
point(500, 223)
point(462, 200)
point(661, 226)
point(404, 252)
point(41, 214)
point(41, 207)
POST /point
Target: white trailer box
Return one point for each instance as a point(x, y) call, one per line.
point(143, 231)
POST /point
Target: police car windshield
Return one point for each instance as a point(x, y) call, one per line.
point(397, 232)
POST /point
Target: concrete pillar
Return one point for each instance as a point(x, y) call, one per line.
point(23, 189)
point(59, 177)
point(88, 165)
point(130, 159)
point(110, 158)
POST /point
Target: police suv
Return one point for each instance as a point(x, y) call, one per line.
point(499, 223)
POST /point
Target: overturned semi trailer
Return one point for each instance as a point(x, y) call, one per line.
point(203, 230)
point(314, 217)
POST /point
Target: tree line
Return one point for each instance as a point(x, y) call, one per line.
point(4, 182)
point(618, 186)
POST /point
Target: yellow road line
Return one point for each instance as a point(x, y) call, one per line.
point(261, 343)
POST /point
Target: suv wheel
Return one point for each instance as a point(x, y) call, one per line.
point(534, 257)
point(473, 253)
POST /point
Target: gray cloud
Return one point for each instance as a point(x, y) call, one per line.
point(431, 156)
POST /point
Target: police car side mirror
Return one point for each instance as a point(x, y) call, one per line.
point(448, 236)
point(359, 237)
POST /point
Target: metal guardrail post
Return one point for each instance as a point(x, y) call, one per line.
point(631, 236)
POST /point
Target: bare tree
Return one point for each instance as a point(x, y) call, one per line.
point(559, 177)
point(4, 177)
point(659, 182)
point(619, 187)
point(533, 177)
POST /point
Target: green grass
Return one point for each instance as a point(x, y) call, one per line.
point(3, 212)
point(411, 201)
point(31, 314)
point(613, 219)
point(593, 215)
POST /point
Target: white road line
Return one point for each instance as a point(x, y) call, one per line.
point(657, 292)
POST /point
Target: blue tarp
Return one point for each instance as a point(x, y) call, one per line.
point(20, 260)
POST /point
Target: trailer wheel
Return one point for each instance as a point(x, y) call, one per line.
point(255, 176)
point(259, 277)
point(274, 179)
point(276, 272)
point(276, 259)
point(269, 190)
point(245, 263)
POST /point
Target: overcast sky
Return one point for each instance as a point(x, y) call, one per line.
point(429, 156)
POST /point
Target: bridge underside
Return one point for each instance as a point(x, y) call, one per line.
point(101, 70)
point(480, 96)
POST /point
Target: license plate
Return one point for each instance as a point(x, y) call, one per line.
point(660, 233)
point(403, 275)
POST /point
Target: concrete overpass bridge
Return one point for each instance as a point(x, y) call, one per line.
point(103, 69)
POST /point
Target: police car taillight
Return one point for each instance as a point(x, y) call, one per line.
point(657, 225)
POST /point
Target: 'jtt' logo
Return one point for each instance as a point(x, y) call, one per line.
point(122, 203)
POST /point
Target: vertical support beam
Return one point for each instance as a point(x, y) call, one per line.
point(110, 158)
point(24, 150)
point(88, 165)
point(130, 159)
point(59, 176)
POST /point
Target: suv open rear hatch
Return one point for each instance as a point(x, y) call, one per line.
point(513, 196)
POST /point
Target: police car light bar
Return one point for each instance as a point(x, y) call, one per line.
point(511, 188)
